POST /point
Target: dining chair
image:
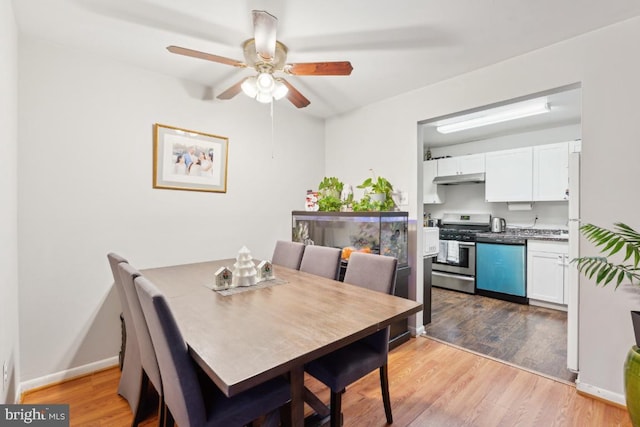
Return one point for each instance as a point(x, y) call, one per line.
point(288, 254)
point(149, 372)
point(191, 397)
point(129, 385)
point(346, 365)
point(321, 260)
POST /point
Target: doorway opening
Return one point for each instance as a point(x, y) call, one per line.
point(540, 335)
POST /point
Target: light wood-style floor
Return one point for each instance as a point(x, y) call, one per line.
point(431, 384)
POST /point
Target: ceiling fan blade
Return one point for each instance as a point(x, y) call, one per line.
point(339, 68)
point(232, 91)
point(207, 56)
point(264, 34)
point(294, 96)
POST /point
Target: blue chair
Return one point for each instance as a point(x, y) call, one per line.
point(346, 365)
point(288, 254)
point(149, 372)
point(191, 397)
point(321, 261)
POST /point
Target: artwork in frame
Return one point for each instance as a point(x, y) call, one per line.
point(189, 160)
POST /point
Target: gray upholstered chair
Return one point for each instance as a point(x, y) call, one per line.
point(348, 364)
point(149, 371)
point(192, 398)
point(288, 254)
point(129, 386)
point(321, 261)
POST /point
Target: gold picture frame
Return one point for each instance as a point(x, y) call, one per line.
point(189, 160)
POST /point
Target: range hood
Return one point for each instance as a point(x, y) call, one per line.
point(470, 178)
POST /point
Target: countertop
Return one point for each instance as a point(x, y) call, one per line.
point(557, 235)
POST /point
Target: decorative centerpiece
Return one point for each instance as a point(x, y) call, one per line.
point(265, 271)
point(244, 270)
point(223, 279)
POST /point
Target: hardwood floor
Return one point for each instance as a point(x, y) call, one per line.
point(528, 336)
point(431, 384)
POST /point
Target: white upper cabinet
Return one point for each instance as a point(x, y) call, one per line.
point(461, 165)
point(432, 193)
point(509, 175)
point(551, 172)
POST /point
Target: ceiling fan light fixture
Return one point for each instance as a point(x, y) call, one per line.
point(280, 90)
point(495, 115)
point(264, 97)
point(249, 87)
point(265, 82)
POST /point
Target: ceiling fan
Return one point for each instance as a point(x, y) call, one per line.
point(268, 56)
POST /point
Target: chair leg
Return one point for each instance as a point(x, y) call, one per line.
point(384, 386)
point(336, 408)
point(142, 400)
point(168, 418)
point(162, 412)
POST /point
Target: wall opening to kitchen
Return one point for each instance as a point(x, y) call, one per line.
point(529, 236)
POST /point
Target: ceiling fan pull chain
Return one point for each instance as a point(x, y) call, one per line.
point(273, 138)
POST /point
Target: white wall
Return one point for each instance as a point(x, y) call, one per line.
point(384, 136)
point(85, 188)
point(8, 201)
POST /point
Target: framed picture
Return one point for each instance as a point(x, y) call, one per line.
point(189, 160)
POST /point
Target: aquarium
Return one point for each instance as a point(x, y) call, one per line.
point(384, 233)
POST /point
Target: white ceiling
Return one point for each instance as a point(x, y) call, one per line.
point(394, 46)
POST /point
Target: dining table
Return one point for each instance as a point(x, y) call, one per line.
point(244, 336)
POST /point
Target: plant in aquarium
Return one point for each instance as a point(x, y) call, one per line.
point(329, 191)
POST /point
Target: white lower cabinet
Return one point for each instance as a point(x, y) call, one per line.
point(547, 271)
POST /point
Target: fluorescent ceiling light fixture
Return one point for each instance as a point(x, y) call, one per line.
point(494, 115)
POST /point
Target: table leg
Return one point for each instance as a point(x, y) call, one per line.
point(296, 378)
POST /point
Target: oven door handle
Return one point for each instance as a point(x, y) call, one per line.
point(466, 243)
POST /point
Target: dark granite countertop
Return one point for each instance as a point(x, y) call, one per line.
point(557, 235)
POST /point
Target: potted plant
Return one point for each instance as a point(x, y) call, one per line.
point(329, 191)
point(377, 195)
point(612, 242)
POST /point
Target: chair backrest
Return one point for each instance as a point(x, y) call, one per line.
point(147, 353)
point(321, 261)
point(378, 273)
point(375, 272)
point(288, 254)
point(114, 261)
point(182, 392)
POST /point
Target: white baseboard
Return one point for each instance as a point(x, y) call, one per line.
point(416, 331)
point(67, 374)
point(600, 393)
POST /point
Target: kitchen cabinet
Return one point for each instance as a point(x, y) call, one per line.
point(509, 175)
point(551, 172)
point(547, 271)
point(432, 193)
point(461, 165)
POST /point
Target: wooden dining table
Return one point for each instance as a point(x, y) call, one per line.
point(259, 333)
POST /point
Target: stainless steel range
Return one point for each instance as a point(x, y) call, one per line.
point(455, 266)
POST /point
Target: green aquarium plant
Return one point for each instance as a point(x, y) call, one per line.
point(329, 191)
